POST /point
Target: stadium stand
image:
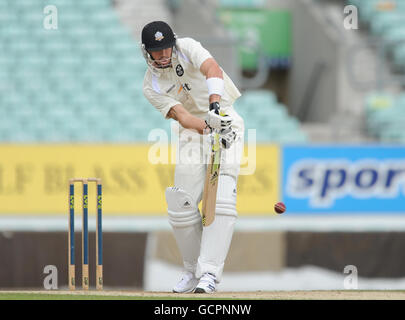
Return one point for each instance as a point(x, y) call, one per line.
point(385, 116)
point(79, 83)
point(260, 110)
point(82, 82)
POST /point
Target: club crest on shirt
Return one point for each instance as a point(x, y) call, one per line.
point(179, 70)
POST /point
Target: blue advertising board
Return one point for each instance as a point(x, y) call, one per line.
point(344, 179)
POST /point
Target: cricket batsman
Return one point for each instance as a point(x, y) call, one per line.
point(185, 83)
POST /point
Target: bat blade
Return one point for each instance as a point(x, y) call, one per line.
point(211, 183)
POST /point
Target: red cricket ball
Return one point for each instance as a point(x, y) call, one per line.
point(279, 207)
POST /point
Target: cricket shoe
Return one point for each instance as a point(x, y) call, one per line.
point(206, 284)
point(187, 283)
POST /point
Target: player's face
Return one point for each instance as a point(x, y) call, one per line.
point(162, 58)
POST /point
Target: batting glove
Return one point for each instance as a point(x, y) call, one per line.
point(218, 121)
point(227, 136)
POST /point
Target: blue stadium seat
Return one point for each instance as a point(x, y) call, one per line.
point(83, 81)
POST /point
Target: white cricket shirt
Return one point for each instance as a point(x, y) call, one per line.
point(184, 84)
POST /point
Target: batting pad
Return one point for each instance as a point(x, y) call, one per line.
point(185, 220)
point(216, 238)
point(226, 196)
point(215, 243)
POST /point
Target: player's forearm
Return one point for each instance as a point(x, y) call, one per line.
point(186, 119)
point(214, 98)
point(212, 70)
point(189, 121)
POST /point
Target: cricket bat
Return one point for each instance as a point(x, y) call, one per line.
point(211, 182)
